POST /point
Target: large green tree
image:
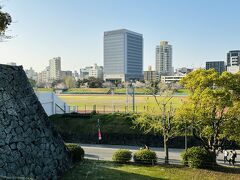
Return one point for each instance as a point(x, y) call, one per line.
point(5, 21)
point(212, 109)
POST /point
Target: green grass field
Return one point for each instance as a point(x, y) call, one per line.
point(92, 170)
point(109, 103)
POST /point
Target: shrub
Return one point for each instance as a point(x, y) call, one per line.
point(76, 152)
point(145, 156)
point(122, 156)
point(198, 157)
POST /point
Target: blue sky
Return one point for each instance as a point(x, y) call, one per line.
point(199, 30)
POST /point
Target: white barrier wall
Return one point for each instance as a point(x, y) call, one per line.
point(52, 104)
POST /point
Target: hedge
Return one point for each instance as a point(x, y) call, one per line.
point(122, 156)
point(145, 156)
point(198, 157)
point(76, 152)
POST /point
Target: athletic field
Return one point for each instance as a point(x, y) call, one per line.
point(115, 103)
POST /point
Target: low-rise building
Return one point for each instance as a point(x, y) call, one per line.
point(76, 75)
point(172, 79)
point(96, 71)
point(233, 69)
point(65, 74)
point(12, 64)
point(91, 71)
point(44, 76)
point(219, 66)
point(149, 75)
point(183, 70)
point(31, 74)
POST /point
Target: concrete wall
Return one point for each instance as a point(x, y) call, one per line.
point(52, 104)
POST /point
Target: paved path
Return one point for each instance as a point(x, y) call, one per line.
point(105, 152)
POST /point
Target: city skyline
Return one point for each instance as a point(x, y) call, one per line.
point(77, 34)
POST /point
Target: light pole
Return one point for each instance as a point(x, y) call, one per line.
point(133, 99)
point(133, 96)
point(126, 96)
point(112, 92)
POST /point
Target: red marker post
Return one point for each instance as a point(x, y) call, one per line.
point(99, 133)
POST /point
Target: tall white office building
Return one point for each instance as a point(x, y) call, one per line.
point(55, 68)
point(164, 59)
point(123, 55)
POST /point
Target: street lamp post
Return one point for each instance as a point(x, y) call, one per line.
point(133, 99)
point(112, 92)
point(126, 96)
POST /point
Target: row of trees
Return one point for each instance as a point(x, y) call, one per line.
point(211, 111)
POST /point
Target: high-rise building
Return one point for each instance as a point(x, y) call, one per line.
point(123, 55)
point(149, 75)
point(55, 68)
point(219, 66)
point(164, 59)
point(233, 61)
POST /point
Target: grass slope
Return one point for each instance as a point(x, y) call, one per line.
point(108, 123)
point(92, 170)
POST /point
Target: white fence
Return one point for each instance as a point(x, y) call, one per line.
point(52, 104)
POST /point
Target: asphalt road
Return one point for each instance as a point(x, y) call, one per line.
point(105, 152)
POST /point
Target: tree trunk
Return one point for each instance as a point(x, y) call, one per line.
point(166, 149)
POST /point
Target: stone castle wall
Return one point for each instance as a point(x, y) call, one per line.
point(29, 147)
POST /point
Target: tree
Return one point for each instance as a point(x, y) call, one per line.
point(80, 82)
point(95, 82)
point(5, 21)
point(32, 82)
point(161, 119)
point(212, 108)
point(55, 82)
point(70, 82)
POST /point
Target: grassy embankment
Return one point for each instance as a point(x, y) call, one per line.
point(109, 170)
point(88, 126)
point(116, 129)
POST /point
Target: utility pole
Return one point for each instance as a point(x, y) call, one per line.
point(112, 92)
point(133, 99)
point(126, 96)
